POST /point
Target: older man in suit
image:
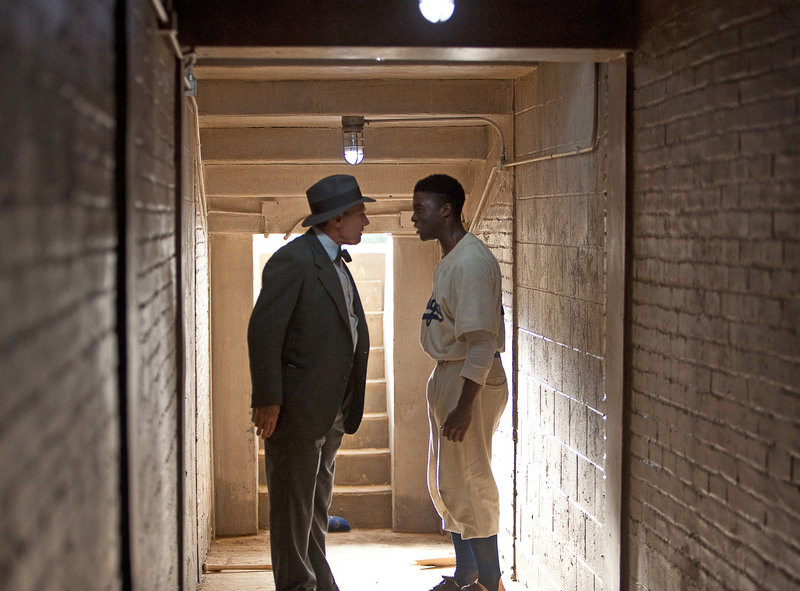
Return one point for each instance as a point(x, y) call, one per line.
point(308, 346)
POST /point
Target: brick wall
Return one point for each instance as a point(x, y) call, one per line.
point(560, 294)
point(495, 228)
point(152, 322)
point(59, 425)
point(195, 341)
point(202, 495)
point(714, 412)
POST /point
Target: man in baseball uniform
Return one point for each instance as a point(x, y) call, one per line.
point(462, 329)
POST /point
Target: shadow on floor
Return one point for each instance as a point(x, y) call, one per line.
point(360, 559)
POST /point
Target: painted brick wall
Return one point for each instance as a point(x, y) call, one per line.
point(495, 228)
point(153, 397)
point(560, 294)
point(59, 425)
point(197, 530)
point(202, 351)
point(714, 397)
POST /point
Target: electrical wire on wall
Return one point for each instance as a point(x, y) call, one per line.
point(188, 60)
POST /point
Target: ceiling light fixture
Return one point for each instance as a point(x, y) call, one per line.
point(437, 11)
point(353, 132)
point(353, 139)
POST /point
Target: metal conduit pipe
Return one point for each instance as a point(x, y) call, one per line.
point(502, 164)
point(167, 27)
point(434, 119)
point(585, 150)
point(160, 11)
point(293, 229)
point(199, 156)
point(551, 156)
point(479, 210)
point(463, 118)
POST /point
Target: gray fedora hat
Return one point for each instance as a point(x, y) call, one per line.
point(331, 196)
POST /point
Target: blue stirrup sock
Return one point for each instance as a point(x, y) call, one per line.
point(477, 557)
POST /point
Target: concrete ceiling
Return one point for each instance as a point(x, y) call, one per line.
point(270, 115)
point(268, 131)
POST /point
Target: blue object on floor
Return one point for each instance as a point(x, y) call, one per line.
point(337, 524)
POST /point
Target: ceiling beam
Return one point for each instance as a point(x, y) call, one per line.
point(324, 145)
point(245, 64)
point(297, 204)
point(287, 180)
point(222, 223)
point(370, 98)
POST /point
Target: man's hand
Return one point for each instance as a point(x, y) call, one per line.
point(457, 423)
point(265, 418)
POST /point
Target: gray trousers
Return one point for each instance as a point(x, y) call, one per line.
point(300, 480)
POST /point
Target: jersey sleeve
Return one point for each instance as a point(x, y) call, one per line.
point(481, 347)
point(476, 307)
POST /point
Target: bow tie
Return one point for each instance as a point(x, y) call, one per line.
point(343, 254)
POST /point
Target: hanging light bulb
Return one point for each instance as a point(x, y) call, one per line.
point(353, 139)
point(437, 11)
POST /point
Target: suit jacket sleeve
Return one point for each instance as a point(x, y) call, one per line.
point(280, 289)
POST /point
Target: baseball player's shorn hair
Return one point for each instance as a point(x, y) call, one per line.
point(445, 188)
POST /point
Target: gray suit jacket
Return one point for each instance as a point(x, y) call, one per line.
point(300, 344)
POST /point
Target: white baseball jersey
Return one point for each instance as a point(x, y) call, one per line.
point(467, 292)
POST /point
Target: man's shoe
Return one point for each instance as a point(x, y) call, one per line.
point(447, 584)
point(336, 524)
point(476, 586)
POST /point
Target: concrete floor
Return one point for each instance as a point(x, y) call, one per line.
point(361, 560)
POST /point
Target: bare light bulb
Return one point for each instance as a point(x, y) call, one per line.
point(437, 11)
point(354, 154)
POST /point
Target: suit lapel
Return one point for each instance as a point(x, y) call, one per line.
point(328, 276)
